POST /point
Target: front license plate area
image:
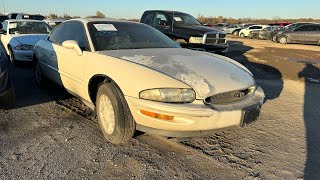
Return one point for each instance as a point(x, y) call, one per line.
point(251, 115)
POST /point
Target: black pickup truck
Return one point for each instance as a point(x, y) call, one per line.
point(186, 30)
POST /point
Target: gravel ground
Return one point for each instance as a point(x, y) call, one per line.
point(52, 135)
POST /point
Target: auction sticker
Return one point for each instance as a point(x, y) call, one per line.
point(178, 19)
point(13, 25)
point(105, 27)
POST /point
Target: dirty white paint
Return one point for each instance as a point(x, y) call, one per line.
point(197, 82)
point(144, 60)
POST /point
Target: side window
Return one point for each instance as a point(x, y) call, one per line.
point(160, 20)
point(302, 28)
point(148, 18)
point(258, 27)
point(252, 27)
point(70, 31)
point(316, 28)
point(56, 35)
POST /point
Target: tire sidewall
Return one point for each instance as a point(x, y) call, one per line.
point(242, 35)
point(114, 95)
point(283, 40)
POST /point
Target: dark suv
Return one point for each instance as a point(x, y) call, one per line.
point(186, 30)
point(304, 34)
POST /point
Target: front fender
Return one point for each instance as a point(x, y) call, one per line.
point(131, 78)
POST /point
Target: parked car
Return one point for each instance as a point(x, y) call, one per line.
point(280, 23)
point(266, 32)
point(30, 16)
point(273, 34)
point(186, 30)
point(232, 29)
point(220, 26)
point(138, 78)
point(20, 36)
point(3, 18)
point(12, 15)
point(7, 95)
point(54, 22)
point(304, 34)
point(254, 34)
point(245, 32)
point(245, 25)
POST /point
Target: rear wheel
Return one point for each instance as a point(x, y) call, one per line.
point(283, 40)
point(114, 116)
point(236, 33)
point(11, 56)
point(38, 77)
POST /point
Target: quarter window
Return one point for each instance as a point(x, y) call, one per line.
point(70, 31)
point(148, 18)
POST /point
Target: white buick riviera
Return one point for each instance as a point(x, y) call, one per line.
point(136, 78)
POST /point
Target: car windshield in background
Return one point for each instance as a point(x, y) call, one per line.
point(184, 19)
point(125, 35)
point(24, 27)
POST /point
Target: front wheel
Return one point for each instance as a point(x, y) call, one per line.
point(242, 35)
point(283, 40)
point(114, 116)
point(236, 33)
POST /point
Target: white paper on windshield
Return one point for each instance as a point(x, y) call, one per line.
point(26, 16)
point(105, 27)
point(178, 19)
point(13, 25)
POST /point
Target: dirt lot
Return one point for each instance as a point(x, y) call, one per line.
point(51, 135)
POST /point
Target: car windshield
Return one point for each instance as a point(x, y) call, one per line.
point(127, 35)
point(25, 27)
point(184, 19)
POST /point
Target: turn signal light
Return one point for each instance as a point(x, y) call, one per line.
point(156, 115)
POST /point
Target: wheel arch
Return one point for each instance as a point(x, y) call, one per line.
point(94, 83)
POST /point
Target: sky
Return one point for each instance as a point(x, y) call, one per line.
point(130, 9)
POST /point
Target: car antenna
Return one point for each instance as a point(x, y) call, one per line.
point(172, 21)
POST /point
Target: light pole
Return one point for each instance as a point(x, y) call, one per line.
point(4, 9)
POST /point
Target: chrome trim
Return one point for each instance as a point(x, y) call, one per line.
point(217, 38)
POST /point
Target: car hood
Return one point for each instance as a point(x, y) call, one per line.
point(206, 73)
point(196, 30)
point(29, 39)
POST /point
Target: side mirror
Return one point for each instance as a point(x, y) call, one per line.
point(71, 44)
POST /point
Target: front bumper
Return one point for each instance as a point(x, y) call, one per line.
point(23, 55)
point(192, 119)
point(209, 48)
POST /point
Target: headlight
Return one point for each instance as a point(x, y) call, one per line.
point(169, 95)
point(196, 40)
point(24, 47)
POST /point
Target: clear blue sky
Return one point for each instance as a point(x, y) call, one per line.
point(135, 8)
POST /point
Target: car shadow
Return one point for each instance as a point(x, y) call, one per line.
point(28, 93)
point(311, 114)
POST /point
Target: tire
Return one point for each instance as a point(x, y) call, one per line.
point(8, 101)
point(38, 76)
point(242, 35)
point(236, 33)
point(114, 116)
point(283, 40)
point(274, 38)
point(11, 56)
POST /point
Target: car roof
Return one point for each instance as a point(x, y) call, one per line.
point(166, 11)
point(87, 20)
point(23, 20)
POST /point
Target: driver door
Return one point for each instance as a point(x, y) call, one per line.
point(70, 64)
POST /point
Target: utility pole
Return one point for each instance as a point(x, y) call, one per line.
point(4, 9)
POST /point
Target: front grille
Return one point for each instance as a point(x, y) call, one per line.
point(230, 97)
point(212, 39)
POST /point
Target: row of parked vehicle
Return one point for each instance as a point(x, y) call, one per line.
point(137, 78)
point(303, 32)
